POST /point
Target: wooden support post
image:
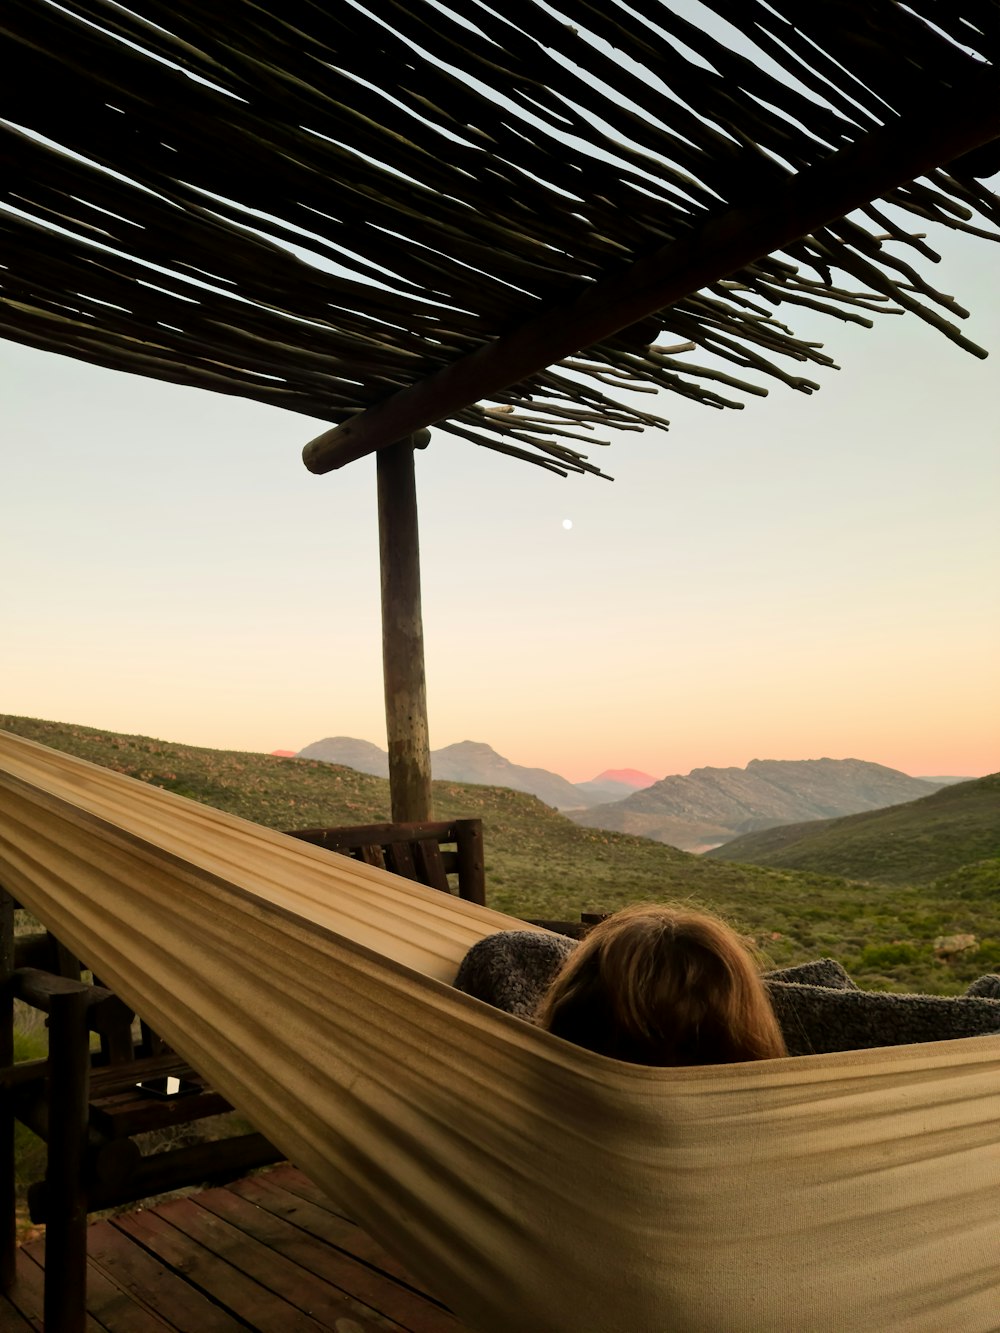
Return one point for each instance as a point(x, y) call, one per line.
point(403, 633)
point(8, 1222)
point(471, 860)
point(66, 1233)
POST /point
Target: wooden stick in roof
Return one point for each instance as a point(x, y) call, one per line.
point(942, 130)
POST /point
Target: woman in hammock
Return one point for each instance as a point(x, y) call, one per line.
point(663, 986)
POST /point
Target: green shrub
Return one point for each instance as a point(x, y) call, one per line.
point(878, 957)
point(984, 959)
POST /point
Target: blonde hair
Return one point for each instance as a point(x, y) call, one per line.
point(659, 985)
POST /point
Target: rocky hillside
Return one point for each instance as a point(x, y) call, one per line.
point(362, 756)
point(472, 761)
point(714, 805)
point(539, 864)
point(955, 829)
point(468, 761)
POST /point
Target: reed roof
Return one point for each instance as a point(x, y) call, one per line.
point(332, 207)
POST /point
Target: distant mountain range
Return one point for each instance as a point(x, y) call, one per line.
point(473, 761)
point(936, 860)
point(708, 807)
point(714, 805)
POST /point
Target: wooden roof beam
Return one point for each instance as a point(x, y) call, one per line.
point(939, 132)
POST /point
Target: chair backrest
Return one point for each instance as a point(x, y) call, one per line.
point(429, 852)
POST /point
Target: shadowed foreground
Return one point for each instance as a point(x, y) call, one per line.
point(269, 1253)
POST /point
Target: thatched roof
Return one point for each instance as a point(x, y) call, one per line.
point(320, 205)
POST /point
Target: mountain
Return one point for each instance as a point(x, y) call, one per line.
point(626, 777)
point(362, 756)
point(954, 829)
point(540, 864)
point(614, 784)
point(467, 761)
point(472, 761)
point(714, 805)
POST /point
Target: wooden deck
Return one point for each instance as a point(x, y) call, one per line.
point(269, 1253)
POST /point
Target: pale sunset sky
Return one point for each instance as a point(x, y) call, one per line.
point(811, 576)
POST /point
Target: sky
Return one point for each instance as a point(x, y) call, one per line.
point(808, 577)
point(813, 576)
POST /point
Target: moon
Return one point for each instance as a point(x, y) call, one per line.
point(567, 523)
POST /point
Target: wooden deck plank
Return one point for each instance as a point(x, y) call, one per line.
point(152, 1283)
point(319, 1221)
point(119, 1311)
point(269, 1254)
point(291, 1178)
point(401, 1303)
point(215, 1276)
point(25, 1301)
point(12, 1321)
point(22, 1309)
point(318, 1299)
point(290, 1194)
point(28, 1298)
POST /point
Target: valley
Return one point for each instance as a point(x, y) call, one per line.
point(541, 864)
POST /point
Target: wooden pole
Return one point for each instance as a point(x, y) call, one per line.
point(403, 632)
point(8, 1221)
point(66, 1232)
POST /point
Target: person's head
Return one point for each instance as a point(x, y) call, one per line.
point(661, 985)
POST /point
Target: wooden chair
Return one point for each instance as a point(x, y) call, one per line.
point(85, 1104)
point(431, 853)
point(88, 1109)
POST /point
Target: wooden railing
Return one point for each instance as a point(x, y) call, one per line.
point(431, 853)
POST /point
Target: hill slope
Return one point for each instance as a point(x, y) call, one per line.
point(713, 805)
point(473, 761)
point(914, 843)
point(540, 864)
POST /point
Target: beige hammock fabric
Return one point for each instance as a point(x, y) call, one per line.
point(531, 1184)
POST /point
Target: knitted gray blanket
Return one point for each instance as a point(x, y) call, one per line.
point(817, 1004)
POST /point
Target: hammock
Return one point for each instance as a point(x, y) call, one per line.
point(530, 1184)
